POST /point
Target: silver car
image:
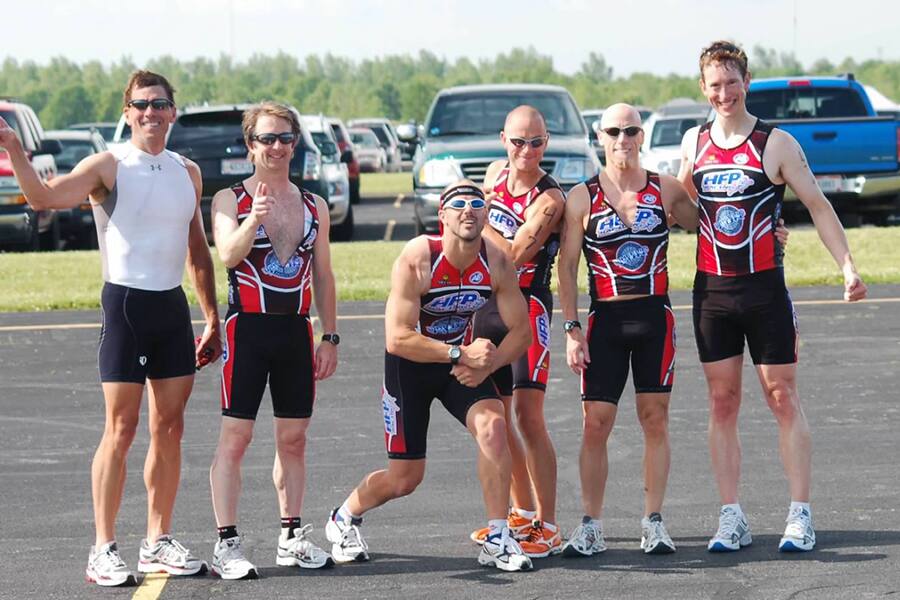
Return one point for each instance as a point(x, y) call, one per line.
point(369, 153)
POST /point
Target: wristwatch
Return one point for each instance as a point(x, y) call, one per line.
point(570, 325)
point(455, 354)
point(331, 338)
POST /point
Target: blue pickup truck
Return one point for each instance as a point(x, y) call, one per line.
point(852, 151)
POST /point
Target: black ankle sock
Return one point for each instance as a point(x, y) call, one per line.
point(290, 523)
point(654, 516)
point(229, 531)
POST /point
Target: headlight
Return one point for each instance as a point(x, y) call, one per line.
point(574, 169)
point(312, 166)
point(439, 173)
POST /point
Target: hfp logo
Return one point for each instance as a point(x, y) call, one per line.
point(447, 326)
point(645, 220)
point(730, 219)
point(741, 159)
point(729, 182)
point(609, 226)
point(476, 277)
point(274, 268)
point(462, 302)
point(390, 408)
point(543, 330)
point(631, 255)
point(503, 223)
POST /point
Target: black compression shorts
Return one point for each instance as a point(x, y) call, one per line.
point(640, 331)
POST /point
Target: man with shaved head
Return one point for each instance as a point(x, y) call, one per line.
point(526, 207)
point(620, 220)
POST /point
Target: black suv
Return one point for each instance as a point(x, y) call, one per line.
point(211, 136)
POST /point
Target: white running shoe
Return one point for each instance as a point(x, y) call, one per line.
point(167, 555)
point(733, 533)
point(298, 551)
point(229, 561)
point(586, 540)
point(799, 535)
point(347, 543)
point(501, 550)
point(106, 567)
point(654, 537)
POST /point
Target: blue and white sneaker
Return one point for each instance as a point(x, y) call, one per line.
point(733, 533)
point(501, 550)
point(799, 535)
point(347, 543)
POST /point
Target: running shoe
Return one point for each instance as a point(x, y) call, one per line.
point(501, 550)
point(106, 567)
point(167, 555)
point(799, 535)
point(586, 540)
point(541, 541)
point(654, 537)
point(517, 525)
point(347, 543)
point(733, 532)
point(299, 551)
point(229, 561)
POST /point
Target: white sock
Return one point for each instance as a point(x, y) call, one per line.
point(344, 514)
point(496, 525)
point(525, 514)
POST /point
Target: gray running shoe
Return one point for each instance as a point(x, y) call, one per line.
point(229, 561)
point(106, 567)
point(299, 551)
point(733, 533)
point(586, 540)
point(799, 535)
point(654, 537)
point(501, 550)
point(167, 555)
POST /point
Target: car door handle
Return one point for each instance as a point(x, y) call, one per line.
point(824, 136)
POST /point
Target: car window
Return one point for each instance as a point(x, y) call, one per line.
point(319, 137)
point(338, 133)
point(669, 132)
point(10, 117)
point(73, 151)
point(207, 126)
point(382, 135)
point(367, 140)
point(484, 113)
point(806, 103)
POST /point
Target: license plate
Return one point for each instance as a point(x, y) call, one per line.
point(236, 166)
point(830, 183)
point(8, 182)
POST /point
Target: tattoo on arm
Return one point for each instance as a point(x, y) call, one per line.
point(533, 237)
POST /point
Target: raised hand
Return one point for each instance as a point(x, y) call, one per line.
point(262, 201)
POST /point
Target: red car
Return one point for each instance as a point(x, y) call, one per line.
point(344, 144)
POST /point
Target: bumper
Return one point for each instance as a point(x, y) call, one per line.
point(338, 207)
point(862, 193)
point(16, 225)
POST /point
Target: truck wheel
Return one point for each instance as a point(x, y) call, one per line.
point(50, 240)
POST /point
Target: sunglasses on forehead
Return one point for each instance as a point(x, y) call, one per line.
point(461, 203)
point(614, 132)
point(267, 139)
point(156, 103)
point(535, 142)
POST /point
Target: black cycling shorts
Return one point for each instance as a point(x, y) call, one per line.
point(532, 369)
point(409, 388)
point(262, 347)
point(640, 331)
point(757, 307)
point(144, 335)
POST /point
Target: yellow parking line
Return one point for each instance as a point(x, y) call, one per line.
point(389, 230)
point(151, 587)
point(399, 200)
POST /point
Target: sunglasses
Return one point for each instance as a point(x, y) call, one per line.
point(614, 132)
point(535, 142)
point(460, 203)
point(156, 103)
point(267, 139)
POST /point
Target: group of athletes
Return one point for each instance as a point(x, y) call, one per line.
point(467, 322)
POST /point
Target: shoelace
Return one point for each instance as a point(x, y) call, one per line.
point(657, 530)
point(352, 538)
point(728, 522)
point(797, 521)
point(173, 552)
point(299, 543)
point(232, 553)
point(109, 559)
point(536, 533)
point(590, 533)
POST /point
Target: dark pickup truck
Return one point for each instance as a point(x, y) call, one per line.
point(852, 151)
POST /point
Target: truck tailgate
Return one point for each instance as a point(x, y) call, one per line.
point(846, 146)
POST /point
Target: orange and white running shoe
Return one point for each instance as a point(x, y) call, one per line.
point(543, 539)
point(516, 523)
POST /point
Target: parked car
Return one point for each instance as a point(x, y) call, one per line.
point(21, 226)
point(387, 136)
point(851, 150)
point(334, 172)
point(592, 116)
point(76, 225)
point(345, 144)
point(661, 150)
point(369, 153)
point(462, 137)
point(211, 136)
point(107, 130)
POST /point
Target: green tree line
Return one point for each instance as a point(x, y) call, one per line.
point(400, 87)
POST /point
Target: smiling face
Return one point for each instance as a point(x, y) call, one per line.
point(524, 123)
point(725, 88)
point(464, 223)
point(150, 124)
point(276, 156)
point(622, 150)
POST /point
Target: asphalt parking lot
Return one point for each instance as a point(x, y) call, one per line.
point(51, 419)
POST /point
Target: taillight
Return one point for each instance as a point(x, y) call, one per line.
point(798, 83)
point(312, 166)
point(12, 199)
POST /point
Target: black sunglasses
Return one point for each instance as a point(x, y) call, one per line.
point(614, 132)
point(535, 142)
point(156, 103)
point(267, 139)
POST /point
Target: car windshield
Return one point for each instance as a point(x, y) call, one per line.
point(319, 137)
point(484, 113)
point(806, 103)
point(338, 133)
point(364, 140)
point(668, 132)
point(381, 134)
point(10, 118)
point(73, 151)
point(206, 126)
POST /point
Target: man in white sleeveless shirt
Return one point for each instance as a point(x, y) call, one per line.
point(146, 203)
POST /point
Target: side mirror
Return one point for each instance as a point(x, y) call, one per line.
point(421, 131)
point(347, 156)
point(50, 147)
point(407, 133)
point(596, 126)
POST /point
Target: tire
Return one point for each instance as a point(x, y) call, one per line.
point(50, 240)
point(354, 191)
point(344, 231)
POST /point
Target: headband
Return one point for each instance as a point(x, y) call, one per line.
point(461, 190)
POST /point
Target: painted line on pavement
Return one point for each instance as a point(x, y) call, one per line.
point(151, 587)
point(389, 230)
point(379, 316)
point(399, 200)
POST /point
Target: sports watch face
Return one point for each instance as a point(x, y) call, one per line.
point(332, 338)
point(570, 325)
point(455, 353)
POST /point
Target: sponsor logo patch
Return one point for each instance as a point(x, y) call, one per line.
point(610, 225)
point(741, 159)
point(631, 255)
point(260, 232)
point(503, 223)
point(648, 199)
point(456, 302)
point(447, 326)
point(729, 182)
point(271, 266)
point(730, 219)
point(542, 325)
point(389, 408)
point(645, 220)
point(517, 206)
point(142, 360)
point(476, 277)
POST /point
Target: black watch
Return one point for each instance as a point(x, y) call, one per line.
point(570, 325)
point(331, 338)
point(455, 353)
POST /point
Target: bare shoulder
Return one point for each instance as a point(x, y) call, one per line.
point(689, 141)
point(497, 259)
point(577, 198)
point(781, 141)
point(669, 184)
point(491, 173)
point(224, 198)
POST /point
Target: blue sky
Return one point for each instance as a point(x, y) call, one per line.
point(658, 36)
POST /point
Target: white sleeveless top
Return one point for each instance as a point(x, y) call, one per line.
point(143, 224)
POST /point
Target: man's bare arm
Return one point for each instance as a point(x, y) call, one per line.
point(678, 203)
point(686, 171)
point(324, 290)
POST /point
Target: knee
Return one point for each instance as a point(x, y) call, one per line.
point(120, 432)
point(291, 444)
point(406, 484)
point(655, 423)
point(597, 428)
point(783, 400)
point(233, 446)
point(530, 422)
point(492, 435)
point(724, 403)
